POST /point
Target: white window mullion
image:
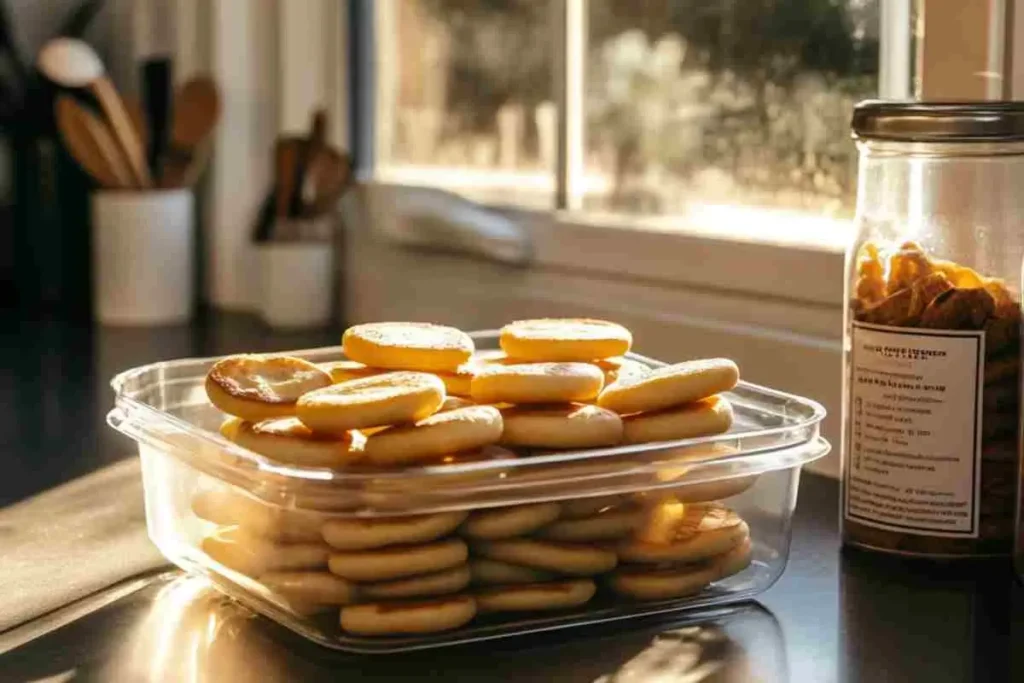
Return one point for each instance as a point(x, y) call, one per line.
point(385, 77)
point(894, 78)
point(571, 28)
point(336, 39)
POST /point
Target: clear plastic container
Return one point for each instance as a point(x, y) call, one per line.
point(164, 407)
point(932, 342)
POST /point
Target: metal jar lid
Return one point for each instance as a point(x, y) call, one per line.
point(938, 121)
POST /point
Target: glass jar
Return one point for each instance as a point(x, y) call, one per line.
point(931, 358)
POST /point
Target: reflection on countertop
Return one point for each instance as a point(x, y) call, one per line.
point(178, 628)
point(54, 382)
point(904, 620)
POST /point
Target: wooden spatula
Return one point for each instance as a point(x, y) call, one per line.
point(92, 144)
point(287, 156)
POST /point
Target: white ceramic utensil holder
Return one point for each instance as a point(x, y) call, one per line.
point(142, 256)
point(296, 283)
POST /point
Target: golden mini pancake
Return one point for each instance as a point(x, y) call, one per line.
point(347, 370)
point(463, 429)
point(734, 561)
point(564, 558)
point(577, 508)
point(701, 418)
point(365, 534)
point(311, 588)
point(454, 403)
point(491, 356)
point(562, 480)
point(410, 617)
point(444, 582)
point(615, 369)
point(535, 597)
point(488, 572)
point(408, 346)
point(506, 522)
point(702, 492)
point(458, 382)
point(405, 493)
point(660, 583)
point(537, 383)
point(608, 525)
point(255, 556)
point(443, 467)
point(229, 428)
point(670, 386)
point(392, 398)
point(675, 464)
point(698, 452)
point(398, 562)
point(255, 387)
point(229, 508)
point(668, 520)
point(677, 532)
point(572, 425)
point(564, 339)
point(288, 441)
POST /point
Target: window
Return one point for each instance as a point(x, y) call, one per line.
point(743, 102)
point(678, 112)
point(465, 98)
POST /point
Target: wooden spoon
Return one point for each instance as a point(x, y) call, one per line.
point(196, 113)
point(287, 154)
point(74, 64)
point(333, 177)
point(91, 144)
point(138, 117)
point(316, 141)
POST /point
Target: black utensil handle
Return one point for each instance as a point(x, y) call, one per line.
point(265, 219)
point(10, 47)
point(157, 102)
point(79, 20)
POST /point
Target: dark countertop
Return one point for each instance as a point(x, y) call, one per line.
point(832, 616)
point(55, 392)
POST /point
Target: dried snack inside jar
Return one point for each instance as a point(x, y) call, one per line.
point(934, 405)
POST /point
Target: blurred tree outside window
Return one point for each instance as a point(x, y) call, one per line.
point(711, 101)
point(471, 83)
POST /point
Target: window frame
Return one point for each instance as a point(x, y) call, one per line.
point(807, 270)
point(570, 239)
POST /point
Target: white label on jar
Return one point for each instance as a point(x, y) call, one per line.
point(914, 443)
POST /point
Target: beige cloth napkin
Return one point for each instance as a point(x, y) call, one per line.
point(73, 540)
